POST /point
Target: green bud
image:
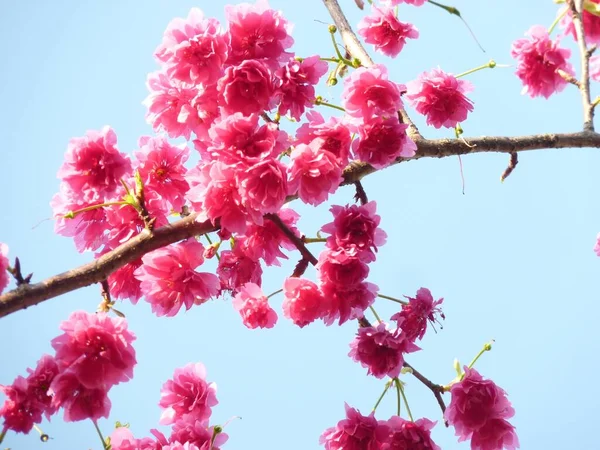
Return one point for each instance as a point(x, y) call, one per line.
point(332, 29)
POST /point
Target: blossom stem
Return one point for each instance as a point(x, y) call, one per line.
point(402, 302)
point(104, 446)
point(319, 101)
point(486, 348)
point(274, 293)
point(211, 243)
point(491, 64)
point(395, 380)
point(313, 240)
point(332, 31)
point(387, 386)
point(72, 214)
point(2, 434)
point(401, 392)
point(332, 60)
point(43, 436)
point(375, 314)
point(560, 16)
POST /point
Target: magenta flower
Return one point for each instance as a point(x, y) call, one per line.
point(194, 50)
point(161, 167)
point(169, 279)
point(539, 59)
point(254, 307)
point(355, 432)
point(347, 302)
point(188, 394)
point(313, 174)
point(413, 318)
point(405, 434)
point(4, 264)
point(440, 97)
point(382, 141)
point(263, 187)
point(236, 268)
point(476, 409)
point(380, 350)
point(258, 32)
point(341, 268)
point(93, 166)
point(96, 349)
point(333, 136)
point(356, 230)
point(196, 432)
point(123, 284)
point(591, 25)
point(385, 32)
point(303, 301)
point(247, 88)
point(295, 86)
point(78, 401)
point(368, 93)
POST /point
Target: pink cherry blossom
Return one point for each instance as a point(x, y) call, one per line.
point(169, 279)
point(161, 168)
point(295, 87)
point(303, 301)
point(355, 229)
point(380, 350)
point(347, 302)
point(405, 434)
point(408, 2)
point(539, 59)
point(341, 268)
point(247, 88)
point(440, 97)
point(197, 432)
point(595, 68)
point(236, 268)
point(474, 404)
point(179, 446)
point(333, 136)
point(257, 32)
point(313, 174)
point(38, 383)
point(93, 166)
point(355, 432)
point(382, 141)
point(263, 187)
point(78, 401)
point(385, 32)
point(413, 318)
point(122, 439)
point(194, 50)
point(188, 394)
point(591, 24)
point(368, 92)
point(254, 307)
point(123, 284)
point(597, 246)
point(4, 264)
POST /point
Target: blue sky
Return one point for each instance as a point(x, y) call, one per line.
point(513, 261)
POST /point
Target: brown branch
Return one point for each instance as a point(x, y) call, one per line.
point(297, 241)
point(514, 160)
point(437, 389)
point(360, 195)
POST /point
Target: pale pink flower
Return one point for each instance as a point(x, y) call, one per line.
point(440, 97)
point(236, 268)
point(79, 401)
point(333, 136)
point(295, 86)
point(313, 174)
point(258, 32)
point(368, 92)
point(179, 446)
point(4, 264)
point(380, 350)
point(303, 301)
point(169, 279)
point(122, 439)
point(123, 284)
point(161, 168)
point(408, 2)
point(247, 88)
point(591, 24)
point(597, 246)
point(475, 407)
point(347, 302)
point(355, 229)
point(355, 432)
point(385, 32)
point(413, 318)
point(595, 68)
point(188, 394)
point(196, 432)
point(254, 307)
point(93, 166)
point(405, 434)
point(96, 348)
point(194, 50)
point(539, 59)
point(382, 141)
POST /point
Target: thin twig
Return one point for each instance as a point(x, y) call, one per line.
point(360, 195)
point(15, 271)
point(514, 160)
point(437, 389)
point(297, 241)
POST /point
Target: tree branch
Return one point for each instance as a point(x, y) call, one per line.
point(437, 389)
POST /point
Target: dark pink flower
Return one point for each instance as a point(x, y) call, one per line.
point(347, 302)
point(254, 307)
point(496, 434)
point(123, 284)
point(591, 24)
point(383, 29)
point(194, 50)
point(382, 141)
point(4, 264)
point(169, 279)
point(407, 435)
point(355, 432)
point(303, 301)
point(368, 92)
point(78, 401)
point(257, 32)
point(236, 268)
point(263, 187)
point(96, 349)
point(440, 97)
point(93, 166)
point(196, 432)
point(295, 86)
point(341, 268)
point(313, 174)
point(333, 136)
point(38, 383)
point(356, 230)
point(474, 404)
point(247, 88)
point(161, 167)
point(188, 394)
point(413, 318)
point(539, 59)
point(380, 350)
